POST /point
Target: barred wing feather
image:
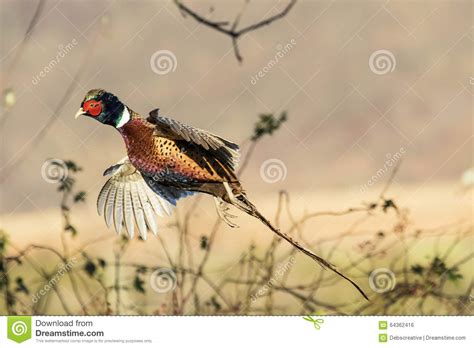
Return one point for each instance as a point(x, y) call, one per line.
point(127, 201)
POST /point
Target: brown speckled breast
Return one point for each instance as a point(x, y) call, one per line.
point(154, 155)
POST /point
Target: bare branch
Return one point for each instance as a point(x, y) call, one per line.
point(233, 32)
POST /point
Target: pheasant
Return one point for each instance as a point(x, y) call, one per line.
point(166, 161)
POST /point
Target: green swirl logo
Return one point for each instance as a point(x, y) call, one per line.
point(19, 328)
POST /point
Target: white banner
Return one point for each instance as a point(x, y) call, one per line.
point(289, 331)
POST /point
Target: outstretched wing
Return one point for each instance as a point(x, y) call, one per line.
point(127, 200)
point(225, 151)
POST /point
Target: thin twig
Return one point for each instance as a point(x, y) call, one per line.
point(234, 33)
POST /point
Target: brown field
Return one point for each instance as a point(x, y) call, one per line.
point(453, 219)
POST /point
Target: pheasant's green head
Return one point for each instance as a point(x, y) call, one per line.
point(104, 107)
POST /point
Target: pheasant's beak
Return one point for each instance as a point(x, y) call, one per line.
point(80, 112)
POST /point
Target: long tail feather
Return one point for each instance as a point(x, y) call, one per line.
point(245, 205)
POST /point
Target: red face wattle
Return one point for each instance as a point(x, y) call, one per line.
point(93, 107)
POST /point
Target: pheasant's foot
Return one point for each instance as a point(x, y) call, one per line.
point(223, 211)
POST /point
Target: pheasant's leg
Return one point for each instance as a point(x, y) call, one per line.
point(222, 210)
point(233, 199)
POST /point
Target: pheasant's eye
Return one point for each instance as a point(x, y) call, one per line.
point(93, 107)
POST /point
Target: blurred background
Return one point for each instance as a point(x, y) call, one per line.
point(367, 86)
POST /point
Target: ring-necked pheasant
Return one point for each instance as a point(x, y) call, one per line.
point(168, 160)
